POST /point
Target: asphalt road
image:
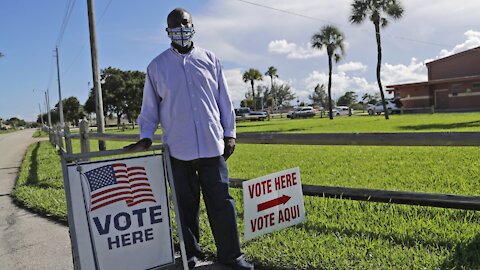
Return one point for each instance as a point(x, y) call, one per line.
point(29, 241)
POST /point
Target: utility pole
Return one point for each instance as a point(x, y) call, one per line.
point(47, 100)
point(60, 103)
point(96, 73)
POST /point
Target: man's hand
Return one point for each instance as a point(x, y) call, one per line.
point(229, 147)
point(141, 145)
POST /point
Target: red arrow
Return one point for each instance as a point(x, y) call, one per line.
point(272, 203)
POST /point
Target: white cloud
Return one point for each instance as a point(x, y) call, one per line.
point(397, 74)
point(294, 51)
point(352, 66)
point(341, 83)
point(472, 41)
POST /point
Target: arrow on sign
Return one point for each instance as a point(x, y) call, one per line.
point(272, 203)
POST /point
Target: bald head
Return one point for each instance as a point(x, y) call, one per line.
point(179, 17)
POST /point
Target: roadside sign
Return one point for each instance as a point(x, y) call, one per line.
point(120, 210)
point(272, 202)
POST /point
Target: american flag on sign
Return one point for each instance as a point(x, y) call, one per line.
point(117, 182)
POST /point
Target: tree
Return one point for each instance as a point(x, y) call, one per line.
point(332, 39)
point(272, 73)
point(2, 55)
point(284, 94)
point(72, 110)
point(319, 96)
point(377, 11)
point(251, 76)
point(348, 99)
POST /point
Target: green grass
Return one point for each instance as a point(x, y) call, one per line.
point(40, 134)
point(337, 234)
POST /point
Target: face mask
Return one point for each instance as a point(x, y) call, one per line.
point(181, 36)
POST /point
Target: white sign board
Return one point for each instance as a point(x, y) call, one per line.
point(121, 213)
point(272, 202)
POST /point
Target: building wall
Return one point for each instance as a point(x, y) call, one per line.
point(415, 96)
point(459, 65)
point(465, 95)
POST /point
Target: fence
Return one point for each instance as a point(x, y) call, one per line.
point(57, 137)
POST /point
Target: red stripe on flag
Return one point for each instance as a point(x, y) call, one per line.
point(136, 173)
point(108, 190)
point(139, 179)
point(119, 165)
point(111, 196)
point(136, 168)
point(139, 185)
point(140, 201)
point(109, 202)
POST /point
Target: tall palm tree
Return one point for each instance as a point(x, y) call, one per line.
point(272, 73)
point(332, 39)
point(377, 11)
point(252, 75)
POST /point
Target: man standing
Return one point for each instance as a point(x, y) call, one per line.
point(186, 92)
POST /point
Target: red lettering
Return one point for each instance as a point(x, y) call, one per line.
point(283, 181)
point(294, 178)
point(250, 191)
point(289, 180)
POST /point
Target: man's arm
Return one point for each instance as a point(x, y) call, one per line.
point(227, 113)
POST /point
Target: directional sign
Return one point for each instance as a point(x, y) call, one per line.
point(272, 202)
point(120, 214)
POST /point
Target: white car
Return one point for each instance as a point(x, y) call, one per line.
point(301, 112)
point(378, 108)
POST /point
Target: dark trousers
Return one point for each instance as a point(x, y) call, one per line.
point(211, 176)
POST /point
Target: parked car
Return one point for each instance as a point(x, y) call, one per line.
point(335, 112)
point(301, 112)
point(244, 113)
point(392, 107)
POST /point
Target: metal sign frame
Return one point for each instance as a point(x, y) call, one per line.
point(81, 158)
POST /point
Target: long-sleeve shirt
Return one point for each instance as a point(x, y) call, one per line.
point(188, 95)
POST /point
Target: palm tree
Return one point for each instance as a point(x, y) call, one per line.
point(377, 11)
point(332, 39)
point(272, 73)
point(252, 75)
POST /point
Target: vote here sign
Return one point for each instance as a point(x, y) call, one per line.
point(121, 213)
point(272, 202)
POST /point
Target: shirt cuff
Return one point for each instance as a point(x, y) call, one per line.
point(147, 134)
point(229, 132)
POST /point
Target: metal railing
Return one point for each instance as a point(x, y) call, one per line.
point(57, 138)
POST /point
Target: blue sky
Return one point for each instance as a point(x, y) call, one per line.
point(241, 34)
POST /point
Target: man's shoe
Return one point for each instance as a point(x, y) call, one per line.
point(192, 261)
point(239, 264)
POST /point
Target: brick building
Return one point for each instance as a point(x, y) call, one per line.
point(453, 84)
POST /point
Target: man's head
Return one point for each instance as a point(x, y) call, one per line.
point(180, 27)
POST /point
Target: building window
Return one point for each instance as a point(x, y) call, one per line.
point(476, 85)
point(456, 86)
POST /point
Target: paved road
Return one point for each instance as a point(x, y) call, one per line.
point(28, 241)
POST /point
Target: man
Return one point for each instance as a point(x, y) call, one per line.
point(186, 92)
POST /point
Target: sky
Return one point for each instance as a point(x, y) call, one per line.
point(242, 33)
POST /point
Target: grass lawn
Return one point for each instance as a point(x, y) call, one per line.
point(338, 234)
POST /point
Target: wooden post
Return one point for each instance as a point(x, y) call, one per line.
point(432, 109)
point(68, 140)
point(50, 135)
point(60, 138)
point(84, 143)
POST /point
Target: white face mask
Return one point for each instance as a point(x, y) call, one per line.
point(181, 36)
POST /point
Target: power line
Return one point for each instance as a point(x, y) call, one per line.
point(326, 21)
point(86, 41)
point(66, 19)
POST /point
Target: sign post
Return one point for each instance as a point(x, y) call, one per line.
point(118, 212)
point(272, 202)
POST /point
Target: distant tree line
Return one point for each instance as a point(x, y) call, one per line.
point(122, 96)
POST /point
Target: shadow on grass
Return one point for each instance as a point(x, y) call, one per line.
point(32, 178)
point(407, 241)
point(466, 256)
point(442, 126)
